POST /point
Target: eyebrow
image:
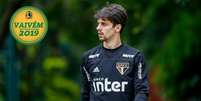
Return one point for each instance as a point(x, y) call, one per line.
point(103, 21)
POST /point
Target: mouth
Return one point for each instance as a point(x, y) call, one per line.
point(100, 33)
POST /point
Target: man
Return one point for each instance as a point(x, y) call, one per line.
point(113, 71)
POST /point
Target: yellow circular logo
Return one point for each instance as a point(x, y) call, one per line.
point(28, 25)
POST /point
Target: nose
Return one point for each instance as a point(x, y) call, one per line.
point(98, 27)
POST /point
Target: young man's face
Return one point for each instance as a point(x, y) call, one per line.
point(105, 29)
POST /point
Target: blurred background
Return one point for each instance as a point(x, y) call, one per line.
point(166, 31)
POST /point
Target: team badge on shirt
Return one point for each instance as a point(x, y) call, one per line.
point(122, 67)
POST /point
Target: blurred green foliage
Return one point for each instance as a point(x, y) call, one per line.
point(167, 31)
point(178, 58)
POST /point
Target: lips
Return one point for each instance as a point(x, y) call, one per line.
point(100, 33)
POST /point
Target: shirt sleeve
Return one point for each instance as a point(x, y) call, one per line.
point(85, 87)
point(141, 84)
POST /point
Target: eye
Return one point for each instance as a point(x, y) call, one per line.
point(103, 24)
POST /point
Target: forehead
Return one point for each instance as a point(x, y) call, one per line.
point(101, 20)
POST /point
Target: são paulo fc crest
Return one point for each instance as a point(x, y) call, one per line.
point(122, 67)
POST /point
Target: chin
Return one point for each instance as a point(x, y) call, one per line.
point(101, 39)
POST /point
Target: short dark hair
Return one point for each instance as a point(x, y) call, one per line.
point(115, 13)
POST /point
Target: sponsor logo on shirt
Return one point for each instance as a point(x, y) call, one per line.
point(128, 55)
point(94, 56)
point(105, 85)
point(96, 70)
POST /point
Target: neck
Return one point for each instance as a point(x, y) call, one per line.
point(112, 44)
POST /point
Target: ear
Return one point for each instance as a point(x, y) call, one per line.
point(118, 28)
